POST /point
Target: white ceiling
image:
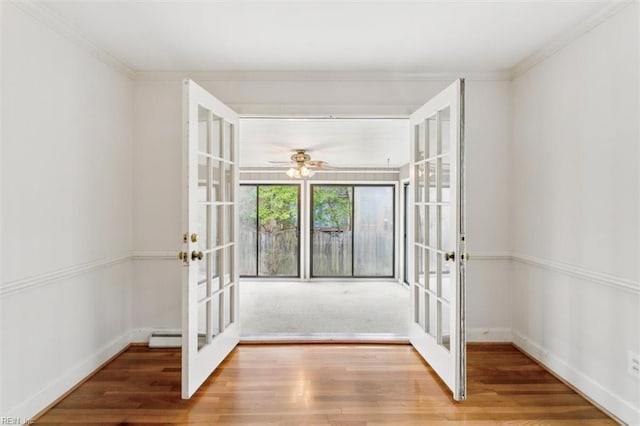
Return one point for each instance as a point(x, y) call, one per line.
point(431, 36)
point(340, 142)
point(330, 35)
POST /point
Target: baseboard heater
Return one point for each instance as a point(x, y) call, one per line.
point(161, 339)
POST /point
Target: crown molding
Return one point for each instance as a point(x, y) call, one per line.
point(320, 76)
point(568, 36)
point(42, 13)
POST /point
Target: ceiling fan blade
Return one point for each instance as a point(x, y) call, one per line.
point(317, 163)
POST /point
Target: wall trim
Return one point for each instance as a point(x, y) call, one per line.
point(578, 379)
point(55, 22)
point(568, 36)
point(58, 387)
point(155, 255)
point(320, 76)
point(24, 284)
point(619, 283)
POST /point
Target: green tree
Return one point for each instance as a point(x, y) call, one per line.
point(277, 207)
point(332, 207)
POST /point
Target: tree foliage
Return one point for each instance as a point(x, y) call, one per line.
point(332, 207)
point(277, 207)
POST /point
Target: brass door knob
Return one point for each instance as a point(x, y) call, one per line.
point(182, 256)
point(194, 238)
point(449, 256)
point(196, 255)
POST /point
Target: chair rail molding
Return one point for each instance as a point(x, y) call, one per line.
point(46, 278)
point(619, 283)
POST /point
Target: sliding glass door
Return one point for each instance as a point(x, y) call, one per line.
point(269, 230)
point(352, 231)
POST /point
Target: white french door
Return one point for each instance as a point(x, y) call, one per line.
point(210, 284)
point(437, 279)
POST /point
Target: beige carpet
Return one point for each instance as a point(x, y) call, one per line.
point(323, 307)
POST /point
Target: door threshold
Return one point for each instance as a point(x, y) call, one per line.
point(376, 338)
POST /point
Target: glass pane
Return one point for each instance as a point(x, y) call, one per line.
point(420, 142)
point(248, 244)
point(278, 233)
point(203, 129)
point(416, 303)
point(421, 307)
point(431, 181)
point(446, 240)
point(216, 183)
point(215, 270)
point(202, 226)
point(433, 270)
point(432, 135)
point(431, 220)
point(419, 259)
point(228, 182)
point(215, 137)
point(228, 141)
point(420, 225)
point(227, 299)
point(444, 169)
point(227, 231)
point(203, 323)
point(216, 226)
point(203, 178)
point(420, 179)
point(227, 265)
point(215, 315)
point(445, 130)
point(444, 325)
point(446, 281)
point(373, 230)
point(331, 230)
point(431, 315)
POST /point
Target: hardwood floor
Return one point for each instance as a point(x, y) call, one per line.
point(324, 384)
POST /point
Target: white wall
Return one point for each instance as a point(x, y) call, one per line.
point(576, 297)
point(157, 207)
point(66, 213)
point(158, 167)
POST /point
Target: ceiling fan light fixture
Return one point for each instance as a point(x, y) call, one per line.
point(300, 172)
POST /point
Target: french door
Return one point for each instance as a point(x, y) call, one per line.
point(437, 280)
point(210, 285)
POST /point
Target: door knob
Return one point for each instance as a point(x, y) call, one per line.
point(194, 238)
point(449, 256)
point(182, 256)
point(196, 255)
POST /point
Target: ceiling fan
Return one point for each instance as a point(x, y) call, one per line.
point(302, 166)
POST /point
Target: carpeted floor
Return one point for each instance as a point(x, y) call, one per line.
point(344, 307)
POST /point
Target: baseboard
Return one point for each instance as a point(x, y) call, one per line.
point(497, 335)
point(584, 384)
point(52, 391)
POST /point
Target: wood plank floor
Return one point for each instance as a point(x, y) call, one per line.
point(324, 384)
